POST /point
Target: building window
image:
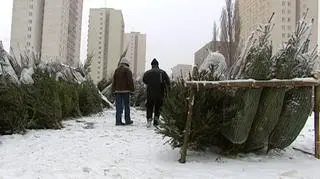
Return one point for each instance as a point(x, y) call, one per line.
point(289, 19)
point(289, 27)
point(29, 36)
point(289, 11)
point(31, 6)
point(30, 13)
point(289, 3)
point(283, 3)
point(99, 42)
point(283, 27)
point(100, 47)
point(29, 28)
point(283, 19)
point(283, 35)
point(288, 35)
point(28, 44)
point(30, 21)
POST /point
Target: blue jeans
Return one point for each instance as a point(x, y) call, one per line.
point(122, 100)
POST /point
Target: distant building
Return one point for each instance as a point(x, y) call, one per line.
point(181, 70)
point(61, 35)
point(202, 53)
point(47, 27)
point(26, 27)
point(105, 42)
point(287, 14)
point(136, 54)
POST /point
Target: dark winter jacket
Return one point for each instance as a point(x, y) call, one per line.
point(157, 82)
point(122, 80)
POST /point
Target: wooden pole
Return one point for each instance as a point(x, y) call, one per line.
point(316, 122)
point(298, 82)
point(184, 148)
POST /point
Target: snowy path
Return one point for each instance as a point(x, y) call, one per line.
point(106, 151)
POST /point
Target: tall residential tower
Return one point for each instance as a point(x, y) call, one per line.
point(105, 42)
point(47, 27)
point(26, 27)
point(287, 14)
point(136, 54)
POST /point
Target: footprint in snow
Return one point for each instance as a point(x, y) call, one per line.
point(89, 125)
point(86, 169)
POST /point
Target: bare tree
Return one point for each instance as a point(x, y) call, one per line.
point(230, 30)
point(214, 37)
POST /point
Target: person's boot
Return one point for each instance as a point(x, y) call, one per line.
point(120, 124)
point(149, 123)
point(129, 122)
point(156, 121)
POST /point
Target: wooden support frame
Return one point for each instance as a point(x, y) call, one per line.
point(298, 82)
point(187, 131)
point(291, 83)
point(316, 122)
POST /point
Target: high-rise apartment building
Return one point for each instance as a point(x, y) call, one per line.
point(46, 27)
point(136, 54)
point(287, 14)
point(62, 31)
point(105, 41)
point(26, 27)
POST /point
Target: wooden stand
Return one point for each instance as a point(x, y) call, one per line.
point(184, 148)
point(316, 122)
point(297, 82)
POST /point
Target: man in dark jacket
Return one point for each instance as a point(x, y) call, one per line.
point(122, 86)
point(158, 83)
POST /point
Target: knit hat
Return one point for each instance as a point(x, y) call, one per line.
point(154, 62)
point(124, 61)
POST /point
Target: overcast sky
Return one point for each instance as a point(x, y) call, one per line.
point(175, 28)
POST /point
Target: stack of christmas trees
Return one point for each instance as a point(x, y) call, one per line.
point(34, 95)
point(245, 120)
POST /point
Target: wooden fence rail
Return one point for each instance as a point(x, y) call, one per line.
point(297, 82)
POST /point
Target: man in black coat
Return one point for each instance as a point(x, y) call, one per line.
point(158, 82)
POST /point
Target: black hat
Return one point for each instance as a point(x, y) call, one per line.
point(154, 62)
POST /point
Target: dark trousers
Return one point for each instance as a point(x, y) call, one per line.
point(122, 101)
point(153, 105)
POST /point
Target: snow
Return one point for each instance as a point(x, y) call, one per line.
point(205, 83)
point(217, 60)
point(6, 68)
point(93, 147)
point(26, 76)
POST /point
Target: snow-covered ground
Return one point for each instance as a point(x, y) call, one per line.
point(94, 148)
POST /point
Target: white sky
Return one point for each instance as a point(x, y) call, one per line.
point(175, 28)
